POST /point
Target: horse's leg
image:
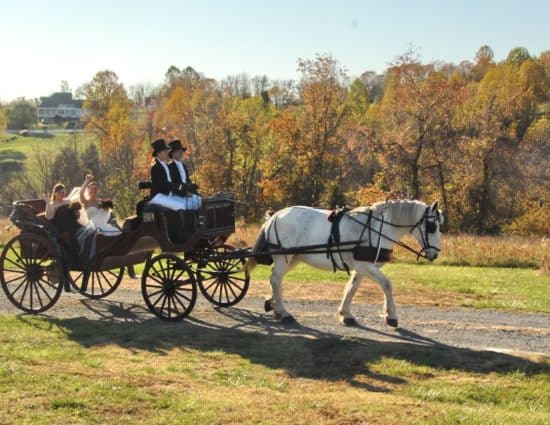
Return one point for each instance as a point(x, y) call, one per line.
point(280, 268)
point(389, 306)
point(344, 312)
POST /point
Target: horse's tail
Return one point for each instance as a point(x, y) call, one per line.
point(250, 264)
point(260, 247)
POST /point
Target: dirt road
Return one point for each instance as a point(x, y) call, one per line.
point(451, 327)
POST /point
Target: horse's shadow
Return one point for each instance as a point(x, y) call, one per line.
point(300, 351)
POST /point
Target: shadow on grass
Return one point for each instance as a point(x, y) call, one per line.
point(301, 351)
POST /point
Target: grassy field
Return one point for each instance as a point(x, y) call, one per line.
point(26, 145)
point(16, 151)
point(101, 371)
point(92, 371)
point(434, 285)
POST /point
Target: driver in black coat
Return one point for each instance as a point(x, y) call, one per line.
point(180, 175)
point(164, 190)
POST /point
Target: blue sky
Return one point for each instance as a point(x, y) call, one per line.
point(44, 42)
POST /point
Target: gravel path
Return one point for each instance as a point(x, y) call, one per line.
point(456, 327)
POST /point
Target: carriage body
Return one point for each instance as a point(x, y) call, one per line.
point(36, 264)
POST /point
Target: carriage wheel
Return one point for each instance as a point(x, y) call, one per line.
point(224, 282)
point(30, 273)
point(168, 287)
point(97, 284)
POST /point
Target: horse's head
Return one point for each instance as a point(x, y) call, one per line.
point(427, 231)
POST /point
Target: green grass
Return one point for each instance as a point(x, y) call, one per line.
point(10, 143)
point(16, 152)
point(93, 371)
point(479, 287)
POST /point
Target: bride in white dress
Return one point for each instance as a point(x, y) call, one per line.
point(98, 211)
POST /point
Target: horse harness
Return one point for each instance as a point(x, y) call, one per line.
point(376, 253)
point(373, 253)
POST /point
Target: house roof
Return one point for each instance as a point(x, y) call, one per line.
point(59, 98)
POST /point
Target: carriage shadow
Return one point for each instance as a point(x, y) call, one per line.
point(299, 350)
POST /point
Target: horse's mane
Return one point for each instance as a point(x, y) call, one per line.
point(402, 211)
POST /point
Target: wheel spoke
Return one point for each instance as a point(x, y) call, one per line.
point(48, 283)
point(24, 292)
point(163, 295)
point(77, 278)
point(36, 285)
point(182, 303)
point(15, 264)
point(45, 292)
point(15, 271)
point(116, 276)
point(158, 274)
point(98, 276)
point(154, 285)
point(236, 285)
point(152, 294)
point(225, 285)
point(212, 284)
point(163, 303)
point(229, 285)
point(183, 296)
point(157, 279)
point(242, 279)
point(107, 279)
point(14, 279)
point(19, 257)
point(19, 287)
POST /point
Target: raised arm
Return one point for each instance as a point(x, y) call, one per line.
point(50, 209)
point(83, 188)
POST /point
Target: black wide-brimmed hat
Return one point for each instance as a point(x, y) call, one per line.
point(175, 145)
point(159, 145)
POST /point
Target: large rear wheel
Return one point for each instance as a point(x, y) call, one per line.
point(224, 282)
point(30, 273)
point(168, 287)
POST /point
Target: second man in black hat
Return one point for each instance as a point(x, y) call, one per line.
point(180, 175)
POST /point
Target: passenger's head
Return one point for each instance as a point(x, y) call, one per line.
point(58, 193)
point(92, 189)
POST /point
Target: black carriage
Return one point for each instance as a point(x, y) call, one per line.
point(38, 263)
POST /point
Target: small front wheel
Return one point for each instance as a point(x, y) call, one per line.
point(224, 282)
point(168, 287)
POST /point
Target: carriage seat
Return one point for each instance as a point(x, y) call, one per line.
point(38, 206)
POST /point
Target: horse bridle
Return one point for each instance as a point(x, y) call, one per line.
point(429, 228)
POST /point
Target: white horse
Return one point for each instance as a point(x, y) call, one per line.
point(380, 227)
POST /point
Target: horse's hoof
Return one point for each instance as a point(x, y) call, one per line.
point(391, 322)
point(268, 305)
point(288, 320)
point(349, 321)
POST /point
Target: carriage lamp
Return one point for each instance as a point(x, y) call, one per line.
point(148, 217)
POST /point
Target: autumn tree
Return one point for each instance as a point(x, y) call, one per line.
point(121, 144)
point(495, 119)
point(415, 117)
point(517, 56)
point(309, 151)
point(108, 109)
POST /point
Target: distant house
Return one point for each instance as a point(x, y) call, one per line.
point(59, 107)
